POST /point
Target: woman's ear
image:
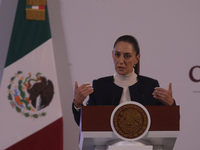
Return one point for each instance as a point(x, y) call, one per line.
point(137, 59)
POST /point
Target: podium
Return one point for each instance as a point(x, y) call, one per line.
point(96, 131)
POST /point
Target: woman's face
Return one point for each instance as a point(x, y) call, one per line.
point(124, 57)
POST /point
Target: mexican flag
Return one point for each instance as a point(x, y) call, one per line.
point(30, 108)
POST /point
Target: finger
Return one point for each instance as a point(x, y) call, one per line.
point(157, 96)
point(86, 90)
point(81, 96)
point(170, 87)
point(159, 89)
point(89, 92)
point(76, 85)
point(84, 85)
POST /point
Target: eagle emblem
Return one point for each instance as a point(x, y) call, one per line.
point(130, 121)
point(30, 94)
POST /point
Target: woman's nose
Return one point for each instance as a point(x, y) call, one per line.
point(121, 59)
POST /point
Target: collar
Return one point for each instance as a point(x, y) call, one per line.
point(125, 80)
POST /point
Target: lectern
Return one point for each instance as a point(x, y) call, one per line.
point(96, 131)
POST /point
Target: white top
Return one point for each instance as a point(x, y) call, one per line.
point(125, 81)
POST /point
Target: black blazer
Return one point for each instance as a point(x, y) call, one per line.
point(108, 93)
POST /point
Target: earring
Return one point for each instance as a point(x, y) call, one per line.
point(134, 65)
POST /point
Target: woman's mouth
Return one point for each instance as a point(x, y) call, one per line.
point(121, 68)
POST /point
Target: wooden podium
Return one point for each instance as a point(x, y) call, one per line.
point(95, 128)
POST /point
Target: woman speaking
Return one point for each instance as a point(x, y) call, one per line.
point(125, 85)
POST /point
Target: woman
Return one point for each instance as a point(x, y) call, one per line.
point(125, 85)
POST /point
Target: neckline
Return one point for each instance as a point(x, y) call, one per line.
point(125, 80)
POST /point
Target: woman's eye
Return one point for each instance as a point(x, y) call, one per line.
point(117, 54)
point(127, 56)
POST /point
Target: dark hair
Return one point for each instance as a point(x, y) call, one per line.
point(133, 41)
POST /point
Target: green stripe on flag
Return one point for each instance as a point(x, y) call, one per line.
point(28, 6)
point(25, 34)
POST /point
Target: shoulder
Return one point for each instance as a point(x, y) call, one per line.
point(104, 82)
point(106, 79)
point(146, 80)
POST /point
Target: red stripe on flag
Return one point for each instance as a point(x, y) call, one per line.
point(48, 138)
point(41, 7)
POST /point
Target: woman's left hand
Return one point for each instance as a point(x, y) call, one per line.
point(164, 95)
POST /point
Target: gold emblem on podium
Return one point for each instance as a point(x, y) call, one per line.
point(130, 121)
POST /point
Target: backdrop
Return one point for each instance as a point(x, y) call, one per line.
point(84, 32)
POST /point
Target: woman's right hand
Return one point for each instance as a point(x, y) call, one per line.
point(80, 93)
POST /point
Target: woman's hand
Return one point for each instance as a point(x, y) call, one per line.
point(80, 93)
point(164, 95)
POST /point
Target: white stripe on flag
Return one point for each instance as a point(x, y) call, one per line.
point(35, 7)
